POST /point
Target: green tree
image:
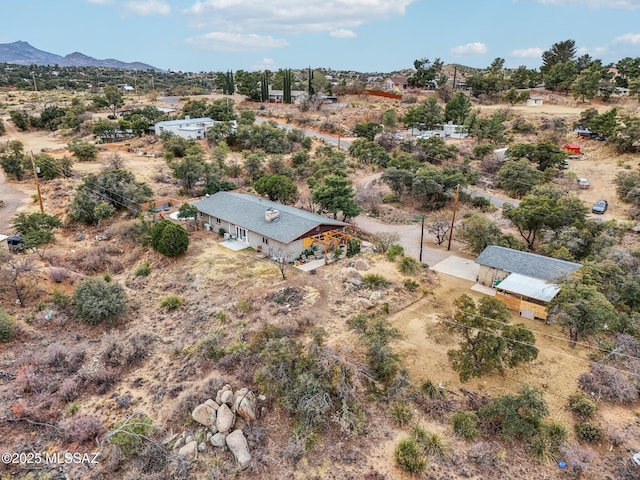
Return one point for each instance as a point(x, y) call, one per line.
point(335, 195)
point(626, 136)
point(559, 53)
point(188, 211)
point(517, 417)
point(367, 130)
point(457, 109)
point(97, 300)
point(369, 152)
point(278, 188)
point(24, 223)
point(13, 160)
point(6, 326)
point(84, 151)
point(427, 74)
point(50, 167)
point(189, 170)
point(544, 207)
point(115, 187)
point(169, 239)
point(20, 119)
point(519, 177)
point(114, 99)
point(586, 85)
point(399, 180)
point(478, 231)
point(490, 342)
point(582, 309)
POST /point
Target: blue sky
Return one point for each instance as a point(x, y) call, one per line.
point(361, 35)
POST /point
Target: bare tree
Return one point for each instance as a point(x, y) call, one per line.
point(439, 225)
point(114, 162)
point(281, 258)
point(18, 273)
point(383, 240)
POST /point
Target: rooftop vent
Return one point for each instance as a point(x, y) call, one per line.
point(271, 215)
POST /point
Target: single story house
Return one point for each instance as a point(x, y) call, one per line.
point(277, 96)
point(398, 82)
point(524, 281)
point(270, 227)
point(535, 101)
point(190, 128)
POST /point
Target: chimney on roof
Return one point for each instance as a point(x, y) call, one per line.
point(271, 215)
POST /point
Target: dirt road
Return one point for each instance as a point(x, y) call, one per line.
point(14, 201)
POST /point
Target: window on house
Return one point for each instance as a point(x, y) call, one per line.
point(265, 240)
point(218, 220)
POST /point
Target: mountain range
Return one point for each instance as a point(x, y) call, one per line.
point(21, 53)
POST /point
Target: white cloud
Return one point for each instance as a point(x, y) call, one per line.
point(291, 17)
point(595, 52)
point(534, 52)
point(148, 7)
point(475, 48)
point(632, 38)
point(235, 42)
point(264, 64)
point(342, 33)
point(596, 4)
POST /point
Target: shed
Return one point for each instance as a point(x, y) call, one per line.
point(571, 148)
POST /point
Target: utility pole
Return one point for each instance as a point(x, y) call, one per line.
point(453, 218)
point(421, 238)
point(35, 175)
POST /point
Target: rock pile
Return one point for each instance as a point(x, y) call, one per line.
point(218, 417)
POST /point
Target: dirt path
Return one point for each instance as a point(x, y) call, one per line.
point(15, 200)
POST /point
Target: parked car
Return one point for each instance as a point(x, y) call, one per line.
point(599, 207)
point(583, 183)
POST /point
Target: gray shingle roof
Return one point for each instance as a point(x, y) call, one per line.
point(248, 211)
point(525, 263)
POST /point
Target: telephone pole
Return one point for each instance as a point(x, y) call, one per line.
point(453, 218)
point(35, 175)
point(421, 238)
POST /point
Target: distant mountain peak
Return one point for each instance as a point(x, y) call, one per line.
point(22, 53)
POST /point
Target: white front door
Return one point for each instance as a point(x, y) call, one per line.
point(241, 234)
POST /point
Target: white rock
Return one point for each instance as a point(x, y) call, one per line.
point(225, 419)
point(212, 404)
point(218, 440)
point(238, 446)
point(227, 397)
point(204, 415)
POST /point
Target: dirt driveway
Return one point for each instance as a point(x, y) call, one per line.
point(14, 199)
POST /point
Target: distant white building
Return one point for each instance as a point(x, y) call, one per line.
point(190, 128)
point(535, 101)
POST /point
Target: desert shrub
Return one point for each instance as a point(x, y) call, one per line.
point(375, 281)
point(171, 302)
point(212, 346)
point(582, 406)
point(131, 434)
point(465, 425)
point(117, 351)
point(394, 251)
point(81, 429)
point(546, 444)
point(431, 390)
point(409, 266)
point(29, 380)
point(58, 274)
point(153, 457)
point(409, 457)
point(68, 391)
point(101, 379)
point(6, 326)
point(143, 270)
point(104, 258)
point(401, 413)
point(588, 432)
point(608, 383)
point(97, 300)
point(411, 285)
point(432, 444)
point(481, 151)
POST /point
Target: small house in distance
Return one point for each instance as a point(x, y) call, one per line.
point(535, 101)
point(268, 226)
point(524, 282)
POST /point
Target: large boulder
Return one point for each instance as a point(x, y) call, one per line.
point(364, 304)
point(225, 419)
point(238, 446)
point(227, 397)
point(220, 392)
point(218, 440)
point(204, 415)
point(244, 404)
